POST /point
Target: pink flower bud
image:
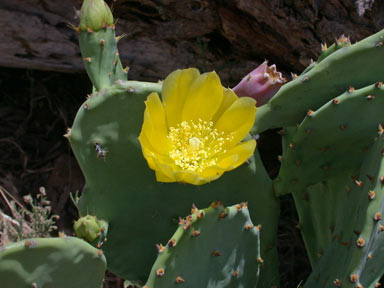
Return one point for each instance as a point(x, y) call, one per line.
point(261, 84)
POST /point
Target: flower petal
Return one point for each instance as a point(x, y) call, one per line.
point(161, 177)
point(237, 120)
point(228, 98)
point(148, 153)
point(204, 98)
point(237, 155)
point(175, 91)
point(212, 173)
point(164, 173)
point(162, 166)
point(155, 126)
point(190, 177)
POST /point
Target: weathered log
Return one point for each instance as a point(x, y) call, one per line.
point(229, 36)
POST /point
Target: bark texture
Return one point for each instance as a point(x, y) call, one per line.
point(229, 36)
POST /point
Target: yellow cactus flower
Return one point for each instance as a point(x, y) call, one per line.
point(194, 134)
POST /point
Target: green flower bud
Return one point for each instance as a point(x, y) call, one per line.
point(87, 227)
point(95, 15)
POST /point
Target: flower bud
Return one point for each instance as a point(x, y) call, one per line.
point(261, 84)
point(87, 227)
point(95, 15)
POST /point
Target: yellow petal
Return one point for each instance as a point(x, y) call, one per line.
point(165, 173)
point(228, 98)
point(237, 155)
point(150, 157)
point(161, 177)
point(155, 126)
point(161, 164)
point(147, 149)
point(204, 98)
point(155, 160)
point(212, 173)
point(228, 161)
point(189, 177)
point(174, 92)
point(237, 120)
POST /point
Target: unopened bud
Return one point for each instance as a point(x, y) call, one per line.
point(95, 15)
point(261, 84)
point(88, 227)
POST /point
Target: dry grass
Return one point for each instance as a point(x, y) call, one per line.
point(33, 219)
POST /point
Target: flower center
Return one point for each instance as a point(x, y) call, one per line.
point(196, 145)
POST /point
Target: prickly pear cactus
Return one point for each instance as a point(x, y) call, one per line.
point(330, 115)
point(331, 161)
point(119, 184)
point(213, 247)
point(123, 191)
point(51, 263)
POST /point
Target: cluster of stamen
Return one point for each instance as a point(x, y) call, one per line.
point(196, 145)
point(273, 75)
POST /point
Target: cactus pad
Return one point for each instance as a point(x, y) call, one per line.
point(213, 247)
point(331, 140)
point(51, 263)
point(354, 255)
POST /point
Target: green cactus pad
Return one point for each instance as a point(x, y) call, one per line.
point(98, 44)
point(214, 247)
point(357, 65)
point(331, 140)
point(51, 263)
point(330, 143)
point(122, 190)
point(101, 57)
point(354, 254)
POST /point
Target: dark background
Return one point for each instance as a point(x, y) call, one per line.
point(42, 80)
